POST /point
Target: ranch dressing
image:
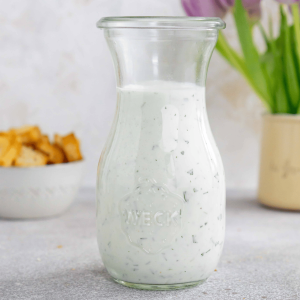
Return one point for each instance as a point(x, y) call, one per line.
point(161, 190)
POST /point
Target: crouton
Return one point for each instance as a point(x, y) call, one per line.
point(71, 147)
point(54, 154)
point(30, 158)
point(26, 146)
point(4, 144)
point(11, 154)
point(58, 140)
point(58, 156)
point(44, 138)
point(10, 136)
point(28, 134)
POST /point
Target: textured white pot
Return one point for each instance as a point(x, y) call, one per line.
point(38, 192)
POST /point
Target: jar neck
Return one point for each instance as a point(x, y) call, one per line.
point(174, 55)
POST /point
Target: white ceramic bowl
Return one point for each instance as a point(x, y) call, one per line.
point(38, 192)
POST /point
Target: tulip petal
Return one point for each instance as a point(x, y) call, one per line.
point(254, 13)
point(251, 3)
point(226, 3)
point(218, 8)
point(203, 8)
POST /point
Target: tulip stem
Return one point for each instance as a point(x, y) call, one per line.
point(295, 10)
point(236, 61)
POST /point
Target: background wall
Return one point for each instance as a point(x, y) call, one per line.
point(55, 71)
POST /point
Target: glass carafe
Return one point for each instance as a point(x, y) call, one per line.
point(160, 186)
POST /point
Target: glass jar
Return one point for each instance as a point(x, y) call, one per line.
point(160, 186)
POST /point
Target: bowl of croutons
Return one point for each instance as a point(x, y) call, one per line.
point(38, 177)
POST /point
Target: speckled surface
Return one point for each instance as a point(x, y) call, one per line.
point(58, 258)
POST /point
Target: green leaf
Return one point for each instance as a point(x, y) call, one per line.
point(272, 59)
point(282, 103)
point(267, 64)
point(290, 64)
point(250, 52)
point(295, 10)
point(235, 61)
point(231, 55)
point(264, 34)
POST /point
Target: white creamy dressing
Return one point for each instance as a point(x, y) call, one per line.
point(161, 190)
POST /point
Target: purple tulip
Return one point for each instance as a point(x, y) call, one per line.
point(204, 8)
point(254, 13)
point(247, 3)
point(218, 8)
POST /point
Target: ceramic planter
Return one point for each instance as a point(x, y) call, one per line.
point(279, 184)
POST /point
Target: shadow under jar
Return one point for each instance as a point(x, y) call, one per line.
point(160, 186)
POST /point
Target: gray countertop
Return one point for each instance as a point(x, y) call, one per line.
point(59, 259)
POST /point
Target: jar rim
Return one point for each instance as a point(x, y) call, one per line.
point(155, 22)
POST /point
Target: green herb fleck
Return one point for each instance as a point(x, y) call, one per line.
point(184, 194)
point(191, 172)
point(194, 240)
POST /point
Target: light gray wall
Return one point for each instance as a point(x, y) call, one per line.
point(55, 71)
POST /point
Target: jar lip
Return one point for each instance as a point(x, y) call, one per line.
point(161, 23)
